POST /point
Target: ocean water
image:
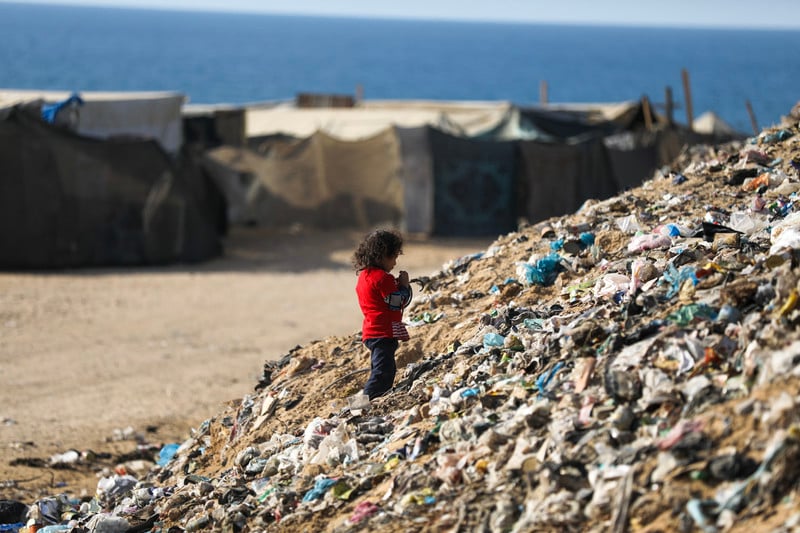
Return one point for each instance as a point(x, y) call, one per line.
point(241, 58)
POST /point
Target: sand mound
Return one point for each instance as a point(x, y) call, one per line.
point(631, 366)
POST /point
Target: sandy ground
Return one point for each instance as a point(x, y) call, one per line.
point(84, 353)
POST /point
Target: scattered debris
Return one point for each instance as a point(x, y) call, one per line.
point(633, 365)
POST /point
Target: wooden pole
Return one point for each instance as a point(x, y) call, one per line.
point(543, 92)
point(688, 95)
point(648, 113)
point(753, 121)
point(668, 104)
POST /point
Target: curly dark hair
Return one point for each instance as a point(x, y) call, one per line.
point(375, 247)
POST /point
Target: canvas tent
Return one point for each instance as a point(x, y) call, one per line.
point(318, 181)
point(710, 123)
point(371, 118)
point(67, 200)
point(557, 178)
point(473, 185)
point(104, 115)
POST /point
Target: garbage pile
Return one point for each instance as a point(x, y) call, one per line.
point(634, 366)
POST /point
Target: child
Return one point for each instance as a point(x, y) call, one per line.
point(382, 298)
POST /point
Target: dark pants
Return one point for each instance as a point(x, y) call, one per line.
point(383, 368)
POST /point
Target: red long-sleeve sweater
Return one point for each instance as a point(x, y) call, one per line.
point(382, 302)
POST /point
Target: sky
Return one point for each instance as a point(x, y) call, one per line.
point(683, 13)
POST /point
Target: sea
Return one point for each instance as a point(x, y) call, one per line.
point(216, 58)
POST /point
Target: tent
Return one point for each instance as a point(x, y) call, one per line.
point(317, 181)
point(556, 179)
point(67, 200)
point(473, 185)
point(371, 118)
point(108, 115)
point(710, 123)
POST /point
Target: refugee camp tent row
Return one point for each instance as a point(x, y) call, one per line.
point(100, 179)
point(453, 170)
point(72, 200)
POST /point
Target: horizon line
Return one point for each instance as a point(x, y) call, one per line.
point(500, 21)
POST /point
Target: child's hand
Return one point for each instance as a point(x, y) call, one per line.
point(402, 279)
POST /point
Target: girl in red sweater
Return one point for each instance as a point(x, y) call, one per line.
point(382, 298)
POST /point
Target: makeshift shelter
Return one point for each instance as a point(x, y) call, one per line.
point(454, 168)
point(709, 123)
point(558, 178)
point(108, 115)
point(371, 118)
point(473, 185)
point(318, 181)
point(416, 175)
point(67, 200)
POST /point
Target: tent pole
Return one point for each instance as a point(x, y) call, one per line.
point(648, 113)
point(668, 104)
point(688, 94)
point(753, 121)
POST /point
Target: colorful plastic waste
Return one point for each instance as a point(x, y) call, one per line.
point(543, 272)
point(166, 453)
point(689, 313)
point(363, 510)
point(649, 241)
point(493, 340)
point(321, 486)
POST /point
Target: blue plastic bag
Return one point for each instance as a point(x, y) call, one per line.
point(167, 453)
point(543, 272)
